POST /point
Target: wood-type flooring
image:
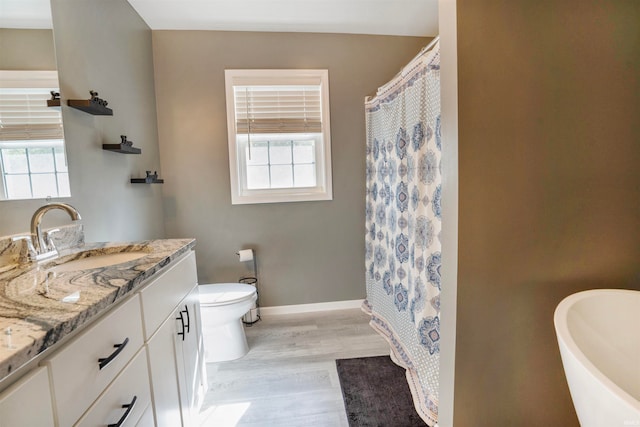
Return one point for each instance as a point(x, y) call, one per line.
point(289, 377)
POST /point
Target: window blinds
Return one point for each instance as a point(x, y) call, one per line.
point(24, 115)
point(278, 109)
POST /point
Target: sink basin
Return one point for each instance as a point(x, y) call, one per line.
point(96, 261)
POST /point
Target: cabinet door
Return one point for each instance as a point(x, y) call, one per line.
point(164, 374)
point(28, 402)
point(176, 361)
point(190, 358)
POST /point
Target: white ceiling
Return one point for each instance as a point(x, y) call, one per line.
point(388, 17)
point(25, 14)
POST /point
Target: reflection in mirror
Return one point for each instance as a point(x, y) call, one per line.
point(32, 151)
point(32, 157)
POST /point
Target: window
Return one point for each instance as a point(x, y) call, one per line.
point(279, 135)
point(34, 170)
point(32, 155)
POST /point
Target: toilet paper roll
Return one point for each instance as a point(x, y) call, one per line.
point(245, 255)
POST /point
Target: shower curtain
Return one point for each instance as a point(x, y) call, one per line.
point(403, 223)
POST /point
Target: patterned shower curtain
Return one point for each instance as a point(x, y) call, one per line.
point(403, 223)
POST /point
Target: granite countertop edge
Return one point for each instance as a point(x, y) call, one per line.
point(38, 310)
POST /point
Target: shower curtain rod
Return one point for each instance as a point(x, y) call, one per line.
point(402, 70)
point(432, 43)
point(425, 49)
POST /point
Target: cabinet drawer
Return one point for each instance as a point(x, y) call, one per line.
point(28, 402)
point(125, 400)
point(147, 418)
point(76, 377)
point(161, 296)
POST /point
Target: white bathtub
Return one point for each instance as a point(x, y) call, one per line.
point(599, 337)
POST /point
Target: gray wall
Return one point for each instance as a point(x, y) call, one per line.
point(104, 46)
point(26, 49)
point(549, 195)
point(308, 252)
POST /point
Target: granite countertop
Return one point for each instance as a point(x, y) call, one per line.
point(39, 308)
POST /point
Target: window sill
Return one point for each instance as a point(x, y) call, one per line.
point(280, 197)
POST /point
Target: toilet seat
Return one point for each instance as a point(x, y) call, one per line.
point(221, 294)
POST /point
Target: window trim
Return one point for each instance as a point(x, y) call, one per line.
point(239, 193)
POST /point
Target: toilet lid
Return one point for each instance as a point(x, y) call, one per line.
point(225, 293)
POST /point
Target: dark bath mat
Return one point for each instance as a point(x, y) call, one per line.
point(376, 393)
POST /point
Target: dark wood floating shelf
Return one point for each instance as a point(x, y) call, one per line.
point(53, 103)
point(89, 106)
point(146, 181)
point(121, 148)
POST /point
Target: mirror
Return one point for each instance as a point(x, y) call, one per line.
point(32, 151)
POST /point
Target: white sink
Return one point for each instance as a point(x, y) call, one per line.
point(97, 261)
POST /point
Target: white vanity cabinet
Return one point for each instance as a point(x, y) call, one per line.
point(171, 316)
point(27, 402)
point(141, 364)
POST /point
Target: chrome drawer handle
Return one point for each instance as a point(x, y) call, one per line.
point(129, 408)
point(104, 361)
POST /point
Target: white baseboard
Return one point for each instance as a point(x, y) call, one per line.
point(309, 308)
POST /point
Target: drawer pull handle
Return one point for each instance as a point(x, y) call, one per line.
point(129, 408)
point(186, 310)
point(181, 319)
point(104, 361)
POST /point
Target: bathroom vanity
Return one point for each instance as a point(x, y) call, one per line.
point(118, 344)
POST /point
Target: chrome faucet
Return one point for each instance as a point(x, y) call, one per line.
point(42, 248)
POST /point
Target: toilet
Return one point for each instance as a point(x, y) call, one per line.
point(222, 306)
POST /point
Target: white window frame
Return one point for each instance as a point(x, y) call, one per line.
point(240, 194)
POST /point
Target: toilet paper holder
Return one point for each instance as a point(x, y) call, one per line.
point(253, 315)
